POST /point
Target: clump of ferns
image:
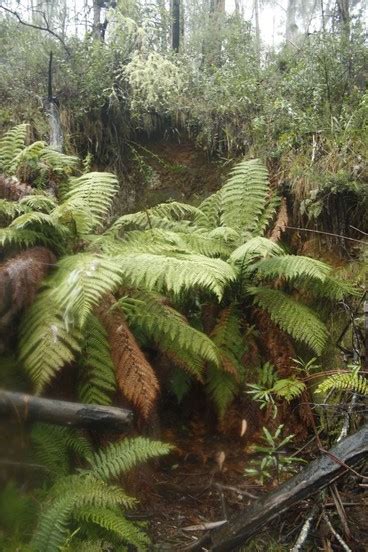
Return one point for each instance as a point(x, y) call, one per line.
point(146, 279)
point(90, 503)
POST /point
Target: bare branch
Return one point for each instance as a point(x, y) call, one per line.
point(46, 29)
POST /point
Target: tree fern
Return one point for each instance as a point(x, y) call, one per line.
point(89, 497)
point(244, 196)
point(11, 145)
point(68, 495)
point(118, 458)
point(344, 382)
point(293, 317)
point(98, 377)
point(167, 326)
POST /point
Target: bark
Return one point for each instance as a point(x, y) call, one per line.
point(291, 26)
point(52, 111)
point(317, 475)
point(212, 49)
point(28, 407)
point(176, 24)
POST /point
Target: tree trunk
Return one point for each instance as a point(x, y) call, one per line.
point(291, 26)
point(52, 111)
point(175, 29)
point(212, 49)
point(27, 407)
point(258, 30)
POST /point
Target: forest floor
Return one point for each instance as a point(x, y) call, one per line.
point(201, 482)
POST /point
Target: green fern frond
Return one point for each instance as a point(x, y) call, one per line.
point(27, 154)
point(11, 145)
point(176, 273)
point(74, 214)
point(59, 162)
point(136, 241)
point(69, 495)
point(167, 326)
point(121, 457)
point(53, 527)
point(46, 343)
point(210, 211)
point(228, 338)
point(98, 371)
point(268, 214)
point(332, 287)
point(90, 491)
point(39, 202)
point(294, 318)
point(344, 382)
point(11, 209)
point(288, 389)
point(222, 388)
point(204, 243)
point(116, 523)
point(16, 237)
point(41, 223)
point(95, 191)
point(174, 210)
point(144, 220)
point(80, 283)
point(254, 248)
point(183, 359)
point(244, 196)
point(290, 267)
point(53, 444)
point(225, 233)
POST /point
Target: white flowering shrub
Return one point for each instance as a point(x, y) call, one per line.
point(154, 82)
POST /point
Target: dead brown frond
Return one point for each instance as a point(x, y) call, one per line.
point(281, 222)
point(20, 277)
point(276, 344)
point(134, 374)
point(12, 190)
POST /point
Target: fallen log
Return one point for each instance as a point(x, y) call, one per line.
point(317, 475)
point(28, 407)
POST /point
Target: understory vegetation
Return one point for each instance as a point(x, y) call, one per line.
point(224, 306)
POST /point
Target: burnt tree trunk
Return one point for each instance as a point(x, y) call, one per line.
point(36, 409)
point(317, 475)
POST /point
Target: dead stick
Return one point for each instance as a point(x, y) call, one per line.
point(28, 407)
point(312, 479)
